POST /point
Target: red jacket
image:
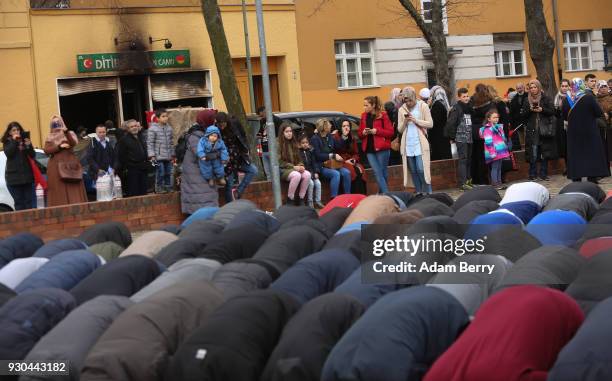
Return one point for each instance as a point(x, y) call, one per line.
point(384, 132)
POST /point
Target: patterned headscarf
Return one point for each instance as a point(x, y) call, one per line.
point(578, 87)
point(396, 98)
point(438, 94)
point(600, 84)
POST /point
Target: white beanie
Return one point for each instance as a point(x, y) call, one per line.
point(424, 93)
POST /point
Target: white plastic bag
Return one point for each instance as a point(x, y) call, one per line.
point(104, 188)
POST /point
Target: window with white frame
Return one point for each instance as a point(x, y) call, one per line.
point(426, 6)
point(354, 64)
point(509, 51)
point(577, 46)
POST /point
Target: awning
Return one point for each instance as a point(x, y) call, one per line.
point(175, 86)
point(75, 86)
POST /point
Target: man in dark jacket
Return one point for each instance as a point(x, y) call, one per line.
point(101, 154)
point(516, 119)
point(458, 130)
point(132, 154)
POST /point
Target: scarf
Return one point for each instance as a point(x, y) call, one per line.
point(438, 94)
point(535, 99)
point(559, 99)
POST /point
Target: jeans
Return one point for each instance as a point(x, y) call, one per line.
point(533, 169)
point(163, 176)
point(379, 162)
point(250, 171)
point(464, 162)
point(496, 167)
point(314, 186)
point(22, 195)
point(415, 163)
point(265, 158)
point(334, 175)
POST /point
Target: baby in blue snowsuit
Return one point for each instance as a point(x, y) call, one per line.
point(213, 156)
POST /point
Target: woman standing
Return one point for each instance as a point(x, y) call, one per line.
point(18, 175)
point(413, 121)
point(538, 113)
point(561, 135)
point(350, 154)
point(482, 102)
point(440, 146)
point(376, 132)
point(604, 99)
point(324, 150)
point(291, 167)
point(64, 171)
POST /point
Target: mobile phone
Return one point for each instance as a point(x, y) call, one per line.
point(25, 135)
point(407, 115)
point(536, 105)
point(56, 125)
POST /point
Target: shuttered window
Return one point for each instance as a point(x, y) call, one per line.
point(66, 87)
point(176, 86)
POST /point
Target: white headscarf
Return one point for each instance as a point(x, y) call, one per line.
point(438, 94)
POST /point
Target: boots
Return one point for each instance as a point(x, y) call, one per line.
point(221, 181)
point(301, 202)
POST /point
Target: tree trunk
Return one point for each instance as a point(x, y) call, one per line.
point(541, 45)
point(225, 69)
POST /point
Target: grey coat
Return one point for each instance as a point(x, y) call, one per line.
point(159, 142)
point(195, 191)
point(74, 336)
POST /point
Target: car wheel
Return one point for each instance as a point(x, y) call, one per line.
point(5, 208)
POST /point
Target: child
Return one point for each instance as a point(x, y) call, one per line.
point(290, 165)
point(458, 130)
point(161, 151)
point(495, 148)
point(312, 166)
point(213, 156)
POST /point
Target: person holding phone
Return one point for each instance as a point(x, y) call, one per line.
point(18, 174)
point(376, 132)
point(350, 154)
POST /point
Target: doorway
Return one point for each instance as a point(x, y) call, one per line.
point(258, 90)
point(89, 109)
point(134, 97)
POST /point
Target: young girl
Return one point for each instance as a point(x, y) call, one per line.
point(495, 148)
point(291, 167)
point(312, 166)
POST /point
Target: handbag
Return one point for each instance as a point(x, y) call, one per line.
point(70, 171)
point(395, 144)
point(333, 164)
point(546, 125)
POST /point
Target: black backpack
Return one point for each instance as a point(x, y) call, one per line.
point(182, 144)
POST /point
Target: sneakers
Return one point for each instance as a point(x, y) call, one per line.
point(466, 187)
point(545, 178)
point(469, 183)
point(531, 178)
point(221, 181)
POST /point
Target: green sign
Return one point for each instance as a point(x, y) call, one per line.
point(133, 60)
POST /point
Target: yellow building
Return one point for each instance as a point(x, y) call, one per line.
point(351, 49)
point(93, 61)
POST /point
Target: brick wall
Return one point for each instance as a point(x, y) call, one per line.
point(153, 211)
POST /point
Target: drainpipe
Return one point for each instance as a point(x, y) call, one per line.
point(248, 57)
point(557, 39)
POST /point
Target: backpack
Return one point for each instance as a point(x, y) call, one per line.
point(182, 145)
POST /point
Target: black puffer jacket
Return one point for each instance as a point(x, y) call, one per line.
point(18, 170)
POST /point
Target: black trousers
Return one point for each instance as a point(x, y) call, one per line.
point(136, 182)
point(22, 195)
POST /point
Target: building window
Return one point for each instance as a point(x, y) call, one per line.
point(577, 46)
point(509, 55)
point(426, 6)
point(354, 64)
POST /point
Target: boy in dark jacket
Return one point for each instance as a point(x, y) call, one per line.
point(101, 155)
point(312, 166)
point(213, 156)
point(458, 129)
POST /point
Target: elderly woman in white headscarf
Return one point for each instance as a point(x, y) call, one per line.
point(414, 120)
point(440, 146)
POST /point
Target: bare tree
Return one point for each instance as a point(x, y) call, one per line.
point(541, 45)
point(49, 4)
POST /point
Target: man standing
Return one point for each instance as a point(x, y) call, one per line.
point(516, 119)
point(101, 155)
point(590, 81)
point(132, 154)
point(161, 151)
point(459, 130)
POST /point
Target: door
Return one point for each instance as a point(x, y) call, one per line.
point(134, 97)
point(258, 90)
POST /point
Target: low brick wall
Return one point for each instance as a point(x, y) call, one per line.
point(154, 211)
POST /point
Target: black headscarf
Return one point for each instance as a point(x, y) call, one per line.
point(481, 192)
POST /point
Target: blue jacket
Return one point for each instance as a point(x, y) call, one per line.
point(53, 248)
point(20, 245)
point(205, 147)
point(322, 147)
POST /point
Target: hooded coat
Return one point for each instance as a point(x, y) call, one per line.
point(20, 245)
point(557, 227)
point(63, 271)
point(316, 274)
point(141, 341)
point(430, 207)
point(479, 193)
point(236, 340)
point(467, 213)
point(587, 187)
point(550, 266)
point(235, 244)
point(420, 323)
point(123, 277)
point(202, 214)
point(149, 244)
point(108, 250)
point(76, 334)
point(317, 326)
point(19, 269)
point(240, 277)
point(587, 357)
point(185, 270)
point(53, 248)
point(580, 203)
point(227, 213)
point(6, 294)
point(592, 285)
point(471, 289)
point(515, 335)
point(29, 316)
point(370, 208)
point(108, 231)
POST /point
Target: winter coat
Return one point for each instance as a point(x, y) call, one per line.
point(286, 214)
point(27, 317)
point(141, 341)
point(516, 105)
point(19, 269)
point(60, 192)
point(160, 142)
point(202, 214)
point(18, 170)
point(76, 334)
point(505, 339)
point(317, 326)
point(420, 323)
point(51, 249)
point(63, 271)
point(557, 227)
point(370, 208)
point(582, 204)
point(524, 210)
point(195, 191)
point(202, 231)
point(366, 293)
point(466, 214)
point(479, 168)
point(107, 231)
point(440, 145)
point(255, 218)
point(100, 158)
point(235, 244)
point(324, 147)
point(549, 266)
point(472, 289)
point(316, 274)
point(237, 338)
point(132, 153)
point(592, 247)
point(6, 294)
point(456, 129)
point(230, 210)
point(547, 145)
point(343, 201)
point(149, 244)
point(384, 132)
point(430, 207)
point(422, 125)
point(240, 277)
point(237, 144)
point(587, 357)
point(308, 159)
point(185, 270)
point(183, 248)
point(349, 151)
point(528, 191)
point(587, 188)
point(107, 250)
point(218, 151)
point(21, 245)
point(123, 277)
point(511, 242)
point(335, 218)
point(586, 154)
point(495, 147)
point(480, 193)
point(591, 286)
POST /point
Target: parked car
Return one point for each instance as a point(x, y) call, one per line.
point(7, 204)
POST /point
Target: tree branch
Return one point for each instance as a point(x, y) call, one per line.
point(418, 19)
